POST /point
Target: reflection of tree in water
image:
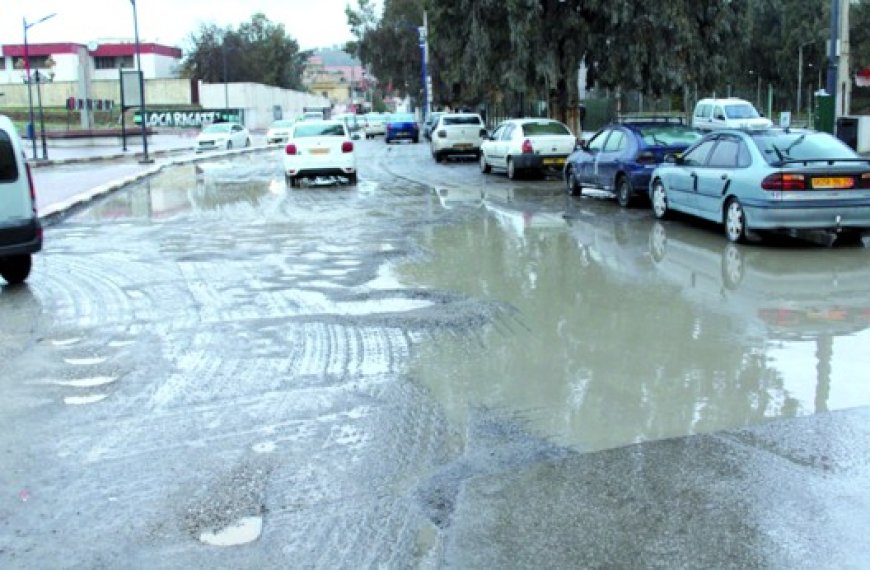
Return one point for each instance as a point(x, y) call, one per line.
point(597, 358)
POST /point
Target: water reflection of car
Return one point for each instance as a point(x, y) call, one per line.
point(770, 179)
point(401, 126)
point(319, 148)
point(621, 157)
point(793, 292)
point(279, 131)
point(225, 136)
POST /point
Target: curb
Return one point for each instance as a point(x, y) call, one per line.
point(54, 213)
point(97, 158)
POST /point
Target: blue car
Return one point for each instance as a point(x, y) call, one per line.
point(620, 157)
point(765, 180)
point(401, 126)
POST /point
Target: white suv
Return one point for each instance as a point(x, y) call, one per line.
point(20, 230)
point(457, 133)
point(711, 114)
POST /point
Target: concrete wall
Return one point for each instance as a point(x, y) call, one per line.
point(258, 101)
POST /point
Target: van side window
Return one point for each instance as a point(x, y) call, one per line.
point(703, 111)
point(8, 165)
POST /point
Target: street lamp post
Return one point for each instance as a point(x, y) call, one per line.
point(27, 74)
point(145, 158)
point(41, 116)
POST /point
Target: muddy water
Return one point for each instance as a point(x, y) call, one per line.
point(629, 330)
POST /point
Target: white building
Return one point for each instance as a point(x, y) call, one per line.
point(71, 61)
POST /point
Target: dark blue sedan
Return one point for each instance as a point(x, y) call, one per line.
point(401, 126)
point(620, 157)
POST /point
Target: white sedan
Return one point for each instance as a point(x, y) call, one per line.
point(319, 148)
point(527, 145)
point(456, 134)
point(279, 131)
point(223, 136)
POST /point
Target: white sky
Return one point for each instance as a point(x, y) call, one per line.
point(312, 23)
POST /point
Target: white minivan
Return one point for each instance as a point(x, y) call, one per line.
point(712, 114)
point(20, 230)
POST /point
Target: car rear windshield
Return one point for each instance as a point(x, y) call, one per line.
point(740, 111)
point(467, 120)
point(282, 124)
point(402, 118)
point(8, 165)
point(668, 135)
point(776, 147)
point(319, 130)
point(545, 128)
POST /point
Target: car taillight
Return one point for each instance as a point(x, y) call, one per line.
point(646, 157)
point(864, 181)
point(442, 134)
point(347, 146)
point(781, 181)
point(291, 149)
point(527, 147)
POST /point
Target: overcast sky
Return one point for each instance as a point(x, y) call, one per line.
point(312, 23)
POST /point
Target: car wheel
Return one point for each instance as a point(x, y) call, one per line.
point(659, 200)
point(574, 187)
point(735, 221)
point(484, 165)
point(511, 169)
point(416, 140)
point(294, 181)
point(438, 156)
point(624, 192)
point(247, 142)
point(15, 268)
point(850, 237)
point(351, 178)
point(229, 145)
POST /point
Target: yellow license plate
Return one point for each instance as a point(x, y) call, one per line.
point(461, 146)
point(319, 151)
point(834, 182)
point(551, 161)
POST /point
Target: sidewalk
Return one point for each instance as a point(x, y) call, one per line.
point(159, 144)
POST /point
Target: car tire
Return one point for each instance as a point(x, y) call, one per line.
point(850, 238)
point(416, 140)
point(247, 142)
point(511, 169)
point(735, 221)
point(352, 178)
point(659, 200)
point(15, 268)
point(574, 187)
point(624, 192)
point(229, 145)
point(294, 181)
point(485, 168)
point(438, 156)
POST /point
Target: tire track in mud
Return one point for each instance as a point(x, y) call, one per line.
point(259, 360)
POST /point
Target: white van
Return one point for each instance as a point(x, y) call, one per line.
point(711, 114)
point(20, 230)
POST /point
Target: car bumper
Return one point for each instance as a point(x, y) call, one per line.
point(455, 147)
point(276, 139)
point(814, 214)
point(539, 161)
point(19, 239)
point(394, 135)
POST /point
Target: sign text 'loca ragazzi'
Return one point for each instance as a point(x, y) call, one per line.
point(171, 118)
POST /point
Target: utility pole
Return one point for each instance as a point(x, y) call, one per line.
point(424, 52)
point(844, 81)
point(831, 82)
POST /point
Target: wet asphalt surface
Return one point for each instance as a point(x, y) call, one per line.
point(433, 368)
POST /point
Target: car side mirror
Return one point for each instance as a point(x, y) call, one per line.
point(720, 117)
point(581, 143)
point(672, 158)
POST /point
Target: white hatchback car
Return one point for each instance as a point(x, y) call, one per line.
point(319, 148)
point(457, 134)
point(527, 145)
point(223, 136)
point(20, 229)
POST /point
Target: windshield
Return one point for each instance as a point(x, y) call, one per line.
point(668, 135)
point(545, 128)
point(217, 128)
point(319, 130)
point(741, 111)
point(776, 147)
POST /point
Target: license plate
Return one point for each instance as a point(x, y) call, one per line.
point(462, 146)
point(834, 182)
point(319, 151)
point(554, 161)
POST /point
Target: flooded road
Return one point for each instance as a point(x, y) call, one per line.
point(433, 368)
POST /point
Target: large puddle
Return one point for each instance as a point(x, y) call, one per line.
point(631, 330)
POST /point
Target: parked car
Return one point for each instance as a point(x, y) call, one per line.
point(353, 122)
point(312, 116)
point(375, 125)
point(457, 134)
point(773, 179)
point(20, 229)
point(429, 123)
point(711, 114)
point(620, 157)
point(223, 136)
point(401, 126)
point(279, 131)
point(319, 148)
point(527, 145)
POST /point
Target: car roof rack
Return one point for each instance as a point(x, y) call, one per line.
point(638, 118)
